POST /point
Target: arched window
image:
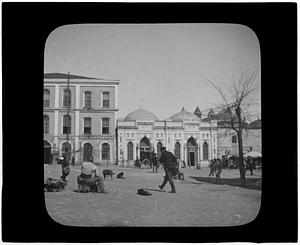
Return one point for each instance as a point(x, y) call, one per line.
point(87, 152)
point(233, 139)
point(105, 151)
point(46, 98)
point(205, 151)
point(87, 128)
point(67, 98)
point(129, 151)
point(177, 150)
point(67, 124)
point(159, 146)
point(46, 124)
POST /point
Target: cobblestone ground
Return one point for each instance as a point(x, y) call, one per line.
point(199, 201)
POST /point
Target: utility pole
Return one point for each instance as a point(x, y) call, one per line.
point(68, 106)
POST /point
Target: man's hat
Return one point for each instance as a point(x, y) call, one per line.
point(163, 148)
point(143, 192)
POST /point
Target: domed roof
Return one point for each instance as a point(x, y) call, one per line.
point(184, 115)
point(141, 114)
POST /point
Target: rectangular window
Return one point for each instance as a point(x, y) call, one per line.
point(88, 99)
point(157, 135)
point(67, 98)
point(87, 129)
point(105, 99)
point(46, 98)
point(46, 124)
point(67, 125)
point(105, 125)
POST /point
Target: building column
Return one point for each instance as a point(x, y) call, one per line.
point(56, 128)
point(77, 132)
point(77, 96)
point(56, 98)
point(201, 149)
point(199, 154)
point(181, 151)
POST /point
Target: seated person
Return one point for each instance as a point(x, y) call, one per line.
point(90, 177)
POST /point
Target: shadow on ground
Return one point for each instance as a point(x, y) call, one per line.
point(251, 183)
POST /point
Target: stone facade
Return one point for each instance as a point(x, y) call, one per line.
point(185, 134)
point(92, 110)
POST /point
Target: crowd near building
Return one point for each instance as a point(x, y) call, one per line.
point(80, 117)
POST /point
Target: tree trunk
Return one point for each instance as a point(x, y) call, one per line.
point(241, 158)
point(240, 145)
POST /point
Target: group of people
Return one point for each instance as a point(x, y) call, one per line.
point(89, 176)
point(90, 173)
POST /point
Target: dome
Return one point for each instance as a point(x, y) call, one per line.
point(184, 115)
point(142, 115)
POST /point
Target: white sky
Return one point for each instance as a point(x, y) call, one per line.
point(161, 67)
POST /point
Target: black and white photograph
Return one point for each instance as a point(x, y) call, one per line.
point(149, 122)
point(152, 125)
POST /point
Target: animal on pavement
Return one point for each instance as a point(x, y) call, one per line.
point(108, 172)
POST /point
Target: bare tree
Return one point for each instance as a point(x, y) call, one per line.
point(236, 101)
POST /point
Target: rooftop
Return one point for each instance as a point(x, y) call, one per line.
point(71, 76)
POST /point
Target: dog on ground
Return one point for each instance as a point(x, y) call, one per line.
point(120, 175)
point(108, 172)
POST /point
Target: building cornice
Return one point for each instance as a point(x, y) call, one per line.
point(83, 82)
point(80, 110)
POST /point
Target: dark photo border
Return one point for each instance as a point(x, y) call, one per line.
point(25, 28)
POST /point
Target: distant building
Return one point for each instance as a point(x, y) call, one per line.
point(185, 134)
point(80, 117)
point(227, 138)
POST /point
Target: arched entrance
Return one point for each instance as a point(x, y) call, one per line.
point(192, 152)
point(145, 147)
point(177, 150)
point(87, 152)
point(159, 146)
point(47, 152)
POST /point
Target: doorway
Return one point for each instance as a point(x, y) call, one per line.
point(145, 147)
point(47, 152)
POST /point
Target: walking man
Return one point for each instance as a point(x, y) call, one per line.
point(169, 162)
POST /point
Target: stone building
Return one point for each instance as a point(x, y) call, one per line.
point(185, 134)
point(80, 117)
point(227, 138)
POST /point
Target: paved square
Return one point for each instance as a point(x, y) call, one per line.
point(198, 201)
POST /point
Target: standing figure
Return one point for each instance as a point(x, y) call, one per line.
point(154, 163)
point(218, 170)
point(169, 162)
point(249, 165)
point(65, 168)
point(212, 167)
point(137, 163)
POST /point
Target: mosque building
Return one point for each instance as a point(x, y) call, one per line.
point(185, 134)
